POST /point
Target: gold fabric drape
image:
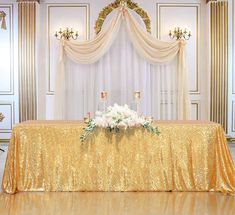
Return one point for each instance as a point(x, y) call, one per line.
point(3, 20)
point(27, 66)
point(219, 62)
point(186, 156)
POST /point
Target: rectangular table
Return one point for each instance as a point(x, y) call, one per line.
point(186, 156)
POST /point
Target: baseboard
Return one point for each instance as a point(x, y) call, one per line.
point(2, 141)
point(230, 139)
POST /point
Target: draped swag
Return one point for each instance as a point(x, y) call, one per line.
point(150, 49)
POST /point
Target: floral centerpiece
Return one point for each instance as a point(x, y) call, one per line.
point(115, 118)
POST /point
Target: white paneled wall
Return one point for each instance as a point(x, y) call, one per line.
point(231, 77)
point(8, 70)
point(81, 15)
point(164, 16)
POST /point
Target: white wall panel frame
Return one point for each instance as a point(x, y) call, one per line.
point(160, 6)
point(86, 6)
point(9, 104)
point(8, 9)
point(8, 110)
point(233, 46)
point(196, 104)
point(233, 116)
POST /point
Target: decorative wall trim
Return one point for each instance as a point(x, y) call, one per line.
point(129, 4)
point(10, 28)
point(198, 108)
point(233, 116)
point(6, 141)
point(158, 33)
point(27, 67)
point(219, 63)
point(79, 5)
point(2, 117)
point(12, 121)
point(233, 45)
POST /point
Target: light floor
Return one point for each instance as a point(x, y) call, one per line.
point(129, 203)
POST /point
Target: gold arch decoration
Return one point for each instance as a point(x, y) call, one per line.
point(131, 5)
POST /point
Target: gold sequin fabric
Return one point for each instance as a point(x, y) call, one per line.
point(186, 156)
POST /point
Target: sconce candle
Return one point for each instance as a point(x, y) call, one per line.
point(104, 95)
point(180, 34)
point(137, 95)
point(66, 34)
point(137, 102)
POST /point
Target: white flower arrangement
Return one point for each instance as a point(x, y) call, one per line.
point(115, 118)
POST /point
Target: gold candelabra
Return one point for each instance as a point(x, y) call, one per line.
point(3, 20)
point(180, 34)
point(66, 34)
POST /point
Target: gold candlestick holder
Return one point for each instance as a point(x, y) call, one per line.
point(137, 101)
point(87, 118)
point(103, 103)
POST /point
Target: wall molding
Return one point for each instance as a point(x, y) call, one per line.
point(10, 27)
point(197, 103)
point(233, 116)
point(12, 114)
point(50, 91)
point(233, 45)
point(158, 33)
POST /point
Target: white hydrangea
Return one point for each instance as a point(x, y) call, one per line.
point(117, 117)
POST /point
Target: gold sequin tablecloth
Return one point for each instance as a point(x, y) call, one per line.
point(186, 156)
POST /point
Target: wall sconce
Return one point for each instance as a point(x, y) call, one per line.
point(180, 34)
point(3, 20)
point(66, 34)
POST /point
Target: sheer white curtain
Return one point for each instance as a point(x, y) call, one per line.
point(121, 72)
point(120, 60)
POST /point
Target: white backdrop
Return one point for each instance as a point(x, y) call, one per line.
point(120, 72)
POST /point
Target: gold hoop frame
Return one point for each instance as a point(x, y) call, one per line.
point(131, 5)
